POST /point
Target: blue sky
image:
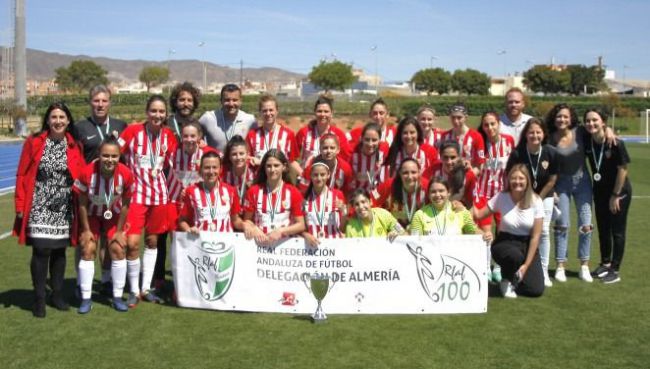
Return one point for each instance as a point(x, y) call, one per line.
point(295, 35)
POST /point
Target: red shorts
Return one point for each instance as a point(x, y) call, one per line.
point(480, 203)
point(173, 213)
point(152, 217)
point(102, 227)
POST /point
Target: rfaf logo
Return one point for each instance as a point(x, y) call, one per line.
point(214, 269)
point(447, 279)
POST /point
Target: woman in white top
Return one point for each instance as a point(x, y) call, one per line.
point(515, 247)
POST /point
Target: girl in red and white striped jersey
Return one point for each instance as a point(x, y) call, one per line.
point(270, 134)
point(238, 169)
point(409, 144)
point(104, 191)
point(210, 205)
point(324, 207)
point(451, 168)
point(404, 194)
point(367, 159)
point(147, 148)
point(380, 115)
point(428, 119)
point(491, 180)
point(470, 141)
point(341, 173)
point(273, 205)
point(308, 137)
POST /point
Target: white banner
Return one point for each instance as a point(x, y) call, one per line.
point(412, 275)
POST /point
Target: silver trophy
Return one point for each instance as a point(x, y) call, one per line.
point(319, 285)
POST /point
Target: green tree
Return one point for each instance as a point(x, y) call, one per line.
point(585, 79)
point(80, 76)
point(153, 76)
point(432, 80)
point(470, 81)
point(542, 78)
point(333, 75)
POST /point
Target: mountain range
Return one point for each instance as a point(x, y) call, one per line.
point(42, 64)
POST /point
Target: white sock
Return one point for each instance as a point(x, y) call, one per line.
point(133, 272)
point(106, 275)
point(85, 276)
point(148, 266)
point(118, 274)
point(77, 259)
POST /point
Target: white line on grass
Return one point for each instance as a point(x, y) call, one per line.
point(5, 235)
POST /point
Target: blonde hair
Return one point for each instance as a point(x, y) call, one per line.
point(529, 194)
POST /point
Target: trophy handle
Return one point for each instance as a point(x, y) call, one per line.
point(306, 280)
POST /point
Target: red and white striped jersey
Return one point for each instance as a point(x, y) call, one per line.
point(425, 155)
point(387, 135)
point(323, 223)
point(435, 137)
point(147, 157)
point(340, 179)
point(282, 138)
point(367, 169)
point(240, 183)
point(196, 207)
point(469, 184)
point(492, 177)
point(308, 141)
point(471, 143)
point(97, 188)
point(382, 198)
point(184, 170)
point(273, 210)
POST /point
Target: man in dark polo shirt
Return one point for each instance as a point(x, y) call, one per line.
point(92, 130)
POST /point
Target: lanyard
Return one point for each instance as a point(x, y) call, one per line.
point(320, 213)
point(405, 197)
point(271, 205)
point(494, 158)
point(333, 176)
point(274, 140)
point(600, 156)
point(443, 230)
point(108, 192)
point(108, 128)
point(242, 185)
point(535, 170)
point(372, 225)
point(230, 131)
point(178, 131)
point(212, 205)
point(153, 157)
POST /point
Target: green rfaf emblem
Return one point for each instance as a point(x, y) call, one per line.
point(213, 269)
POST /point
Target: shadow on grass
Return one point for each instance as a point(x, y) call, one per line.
point(23, 299)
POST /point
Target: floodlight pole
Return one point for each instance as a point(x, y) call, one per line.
point(20, 65)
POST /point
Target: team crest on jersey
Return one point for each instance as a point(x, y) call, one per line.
point(608, 154)
point(213, 269)
point(545, 164)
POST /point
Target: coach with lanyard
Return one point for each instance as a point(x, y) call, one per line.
point(222, 124)
point(91, 131)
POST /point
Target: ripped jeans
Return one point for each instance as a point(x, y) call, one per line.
point(577, 186)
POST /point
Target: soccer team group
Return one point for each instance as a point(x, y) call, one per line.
point(99, 182)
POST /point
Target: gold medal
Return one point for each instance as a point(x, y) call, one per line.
point(154, 173)
point(213, 227)
point(321, 234)
point(108, 215)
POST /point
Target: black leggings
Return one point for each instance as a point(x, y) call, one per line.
point(161, 259)
point(611, 229)
point(42, 259)
point(510, 252)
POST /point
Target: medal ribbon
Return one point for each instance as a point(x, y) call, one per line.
point(108, 128)
point(272, 205)
point(108, 193)
point(274, 140)
point(320, 213)
point(333, 176)
point(442, 231)
point(539, 158)
point(600, 156)
point(405, 197)
point(212, 205)
point(230, 131)
point(153, 157)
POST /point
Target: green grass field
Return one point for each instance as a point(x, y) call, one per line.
point(574, 325)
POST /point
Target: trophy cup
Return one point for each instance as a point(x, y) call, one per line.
point(319, 285)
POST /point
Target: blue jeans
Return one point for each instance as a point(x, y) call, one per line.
point(577, 186)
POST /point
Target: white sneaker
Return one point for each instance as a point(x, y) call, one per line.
point(547, 280)
point(507, 290)
point(560, 275)
point(585, 274)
